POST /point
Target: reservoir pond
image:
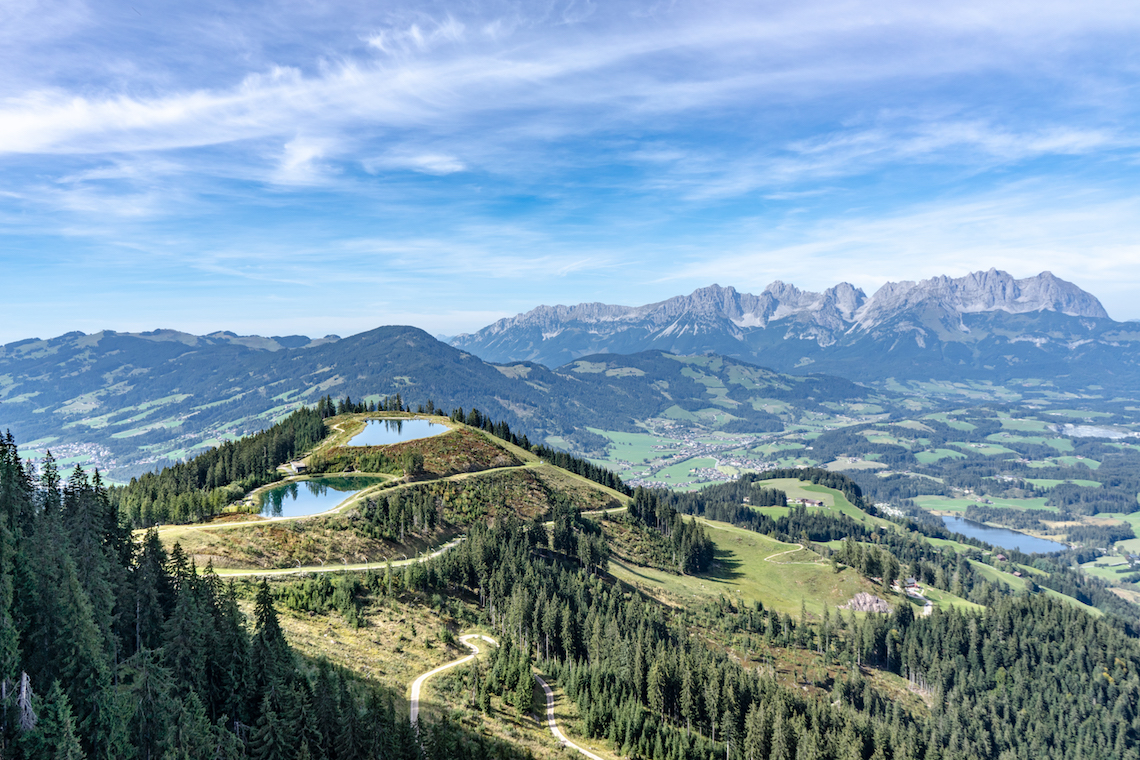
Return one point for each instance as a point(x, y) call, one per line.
point(310, 497)
point(1003, 537)
point(384, 432)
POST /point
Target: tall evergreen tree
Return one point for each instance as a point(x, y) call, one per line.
point(54, 737)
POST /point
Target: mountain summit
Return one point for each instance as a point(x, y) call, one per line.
point(941, 320)
point(981, 292)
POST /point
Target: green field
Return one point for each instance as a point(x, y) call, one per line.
point(1105, 568)
point(1078, 413)
point(946, 419)
point(957, 546)
point(637, 447)
point(680, 472)
point(926, 457)
point(1025, 426)
point(743, 572)
point(946, 504)
point(1052, 483)
point(1131, 545)
point(946, 601)
point(774, 448)
point(994, 575)
point(839, 465)
point(985, 449)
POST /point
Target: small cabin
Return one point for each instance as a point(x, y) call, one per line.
point(298, 467)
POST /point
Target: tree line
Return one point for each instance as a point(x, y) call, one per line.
point(577, 465)
point(197, 489)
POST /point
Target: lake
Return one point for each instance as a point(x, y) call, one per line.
point(384, 432)
point(1003, 537)
point(311, 497)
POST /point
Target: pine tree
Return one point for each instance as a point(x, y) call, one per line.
point(348, 738)
point(153, 595)
point(61, 638)
point(307, 736)
point(148, 686)
point(191, 734)
point(54, 736)
point(269, 741)
point(271, 659)
point(85, 523)
point(229, 658)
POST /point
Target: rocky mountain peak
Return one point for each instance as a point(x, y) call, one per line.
point(992, 290)
point(725, 320)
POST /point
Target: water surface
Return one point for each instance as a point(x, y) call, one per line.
point(384, 432)
point(310, 497)
point(1003, 537)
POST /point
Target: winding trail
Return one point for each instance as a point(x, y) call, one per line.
point(770, 557)
point(799, 547)
point(467, 640)
point(554, 725)
point(343, 567)
point(417, 685)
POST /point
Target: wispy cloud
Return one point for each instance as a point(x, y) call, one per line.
point(615, 146)
point(1087, 237)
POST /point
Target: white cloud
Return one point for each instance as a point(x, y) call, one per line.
point(433, 74)
point(299, 162)
point(418, 37)
point(426, 163)
point(1086, 237)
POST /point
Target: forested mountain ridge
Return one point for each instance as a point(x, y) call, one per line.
point(111, 648)
point(128, 402)
point(130, 652)
point(984, 325)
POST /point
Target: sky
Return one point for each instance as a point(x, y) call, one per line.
point(316, 167)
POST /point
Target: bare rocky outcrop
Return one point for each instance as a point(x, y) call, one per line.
point(864, 602)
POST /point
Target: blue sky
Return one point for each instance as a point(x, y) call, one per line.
point(307, 167)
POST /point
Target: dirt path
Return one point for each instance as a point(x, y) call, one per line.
point(554, 725)
point(334, 568)
point(417, 685)
point(770, 557)
point(799, 547)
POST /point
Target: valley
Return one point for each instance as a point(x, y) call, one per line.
point(678, 555)
point(761, 585)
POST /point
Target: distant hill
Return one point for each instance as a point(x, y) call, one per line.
point(130, 401)
point(986, 325)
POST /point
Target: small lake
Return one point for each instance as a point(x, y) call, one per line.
point(311, 497)
point(1003, 537)
point(384, 432)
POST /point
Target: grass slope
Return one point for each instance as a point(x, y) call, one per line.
point(751, 567)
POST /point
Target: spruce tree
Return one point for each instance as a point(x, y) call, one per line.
point(54, 736)
point(186, 635)
point(191, 734)
point(148, 685)
point(268, 741)
point(153, 595)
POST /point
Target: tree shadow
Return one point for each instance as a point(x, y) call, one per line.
point(725, 567)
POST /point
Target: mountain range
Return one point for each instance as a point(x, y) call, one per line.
point(130, 401)
point(985, 325)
